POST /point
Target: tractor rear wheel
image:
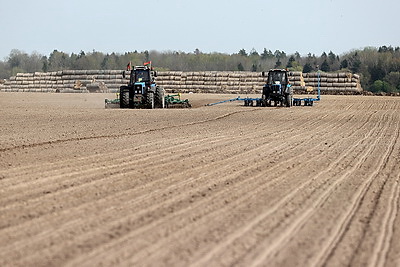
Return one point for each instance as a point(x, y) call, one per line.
point(150, 100)
point(288, 100)
point(124, 97)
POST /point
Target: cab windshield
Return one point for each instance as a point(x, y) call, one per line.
point(277, 77)
point(142, 76)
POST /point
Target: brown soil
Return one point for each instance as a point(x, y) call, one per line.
point(225, 185)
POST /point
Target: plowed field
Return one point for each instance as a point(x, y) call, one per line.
point(225, 185)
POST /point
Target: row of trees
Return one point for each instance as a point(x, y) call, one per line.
point(379, 67)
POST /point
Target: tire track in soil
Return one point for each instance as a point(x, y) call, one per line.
point(380, 255)
point(159, 245)
point(53, 176)
point(105, 160)
point(200, 205)
point(280, 205)
point(66, 164)
point(147, 249)
point(123, 163)
point(371, 209)
point(59, 141)
point(343, 223)
point(347, 174)
point(343, 226)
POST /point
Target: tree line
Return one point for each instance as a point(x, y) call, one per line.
point(379, 68)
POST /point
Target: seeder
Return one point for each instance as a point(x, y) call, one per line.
point(175, 101)
point(143, 92)
point(171, 101)
point(276, 92)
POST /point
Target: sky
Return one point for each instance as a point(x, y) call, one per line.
point(226, 26)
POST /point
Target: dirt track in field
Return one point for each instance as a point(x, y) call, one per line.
point(209, 186)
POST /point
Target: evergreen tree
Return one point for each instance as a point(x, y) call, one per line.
point(355, 63)
point(344, 64)
point(278, 64)
point(307, 68)
point(266, 54)
point(253, 52)
point(290, 62)
point(243, 52)
point(325, 66)
point(45, 66)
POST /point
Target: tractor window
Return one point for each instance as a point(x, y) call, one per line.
point(277, 77)
point(142, 76)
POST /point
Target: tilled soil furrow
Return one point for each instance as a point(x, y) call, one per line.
point(150, 228)
point(89, 176)
point(106, 166)
point(187, 182)
point(351, 214)
point(381, 256)
point(225, 185)
point(253, 189)
point(66, 181)
point(48, 170)
point(370, 239)
point(363, 188)
point(95, 137)
point(287, 200)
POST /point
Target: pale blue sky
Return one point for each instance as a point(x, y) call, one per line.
point(210, 25)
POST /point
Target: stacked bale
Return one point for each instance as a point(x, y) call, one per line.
point(210, 81)
point(92, 80)
point(252, 82)
point(297, 81)
point(65, 81)
point(232, 82)
point(32, 82)
point(334, 83)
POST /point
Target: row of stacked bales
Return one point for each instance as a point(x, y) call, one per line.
point(70, 81)
point(252, 82)
point(33, 82)
point(211, 82)
point(178, 81)
point(329, 83)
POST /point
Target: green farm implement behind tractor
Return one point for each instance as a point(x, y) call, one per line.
point(143, 92)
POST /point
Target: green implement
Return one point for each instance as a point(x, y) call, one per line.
point(112, 103)
point(171, 101)
point(175, 101)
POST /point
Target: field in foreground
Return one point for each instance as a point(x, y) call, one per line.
point(209, 186)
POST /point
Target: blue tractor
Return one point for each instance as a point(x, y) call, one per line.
point(142, 90)
point(277, 90)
